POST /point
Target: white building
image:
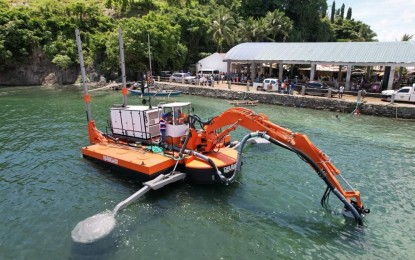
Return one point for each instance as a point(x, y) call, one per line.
point(212, 63)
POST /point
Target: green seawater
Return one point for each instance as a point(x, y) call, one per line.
point(272, 212)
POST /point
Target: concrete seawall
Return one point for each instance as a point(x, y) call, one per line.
point(404, 111)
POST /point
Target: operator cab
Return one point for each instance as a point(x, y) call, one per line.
point(177, 118)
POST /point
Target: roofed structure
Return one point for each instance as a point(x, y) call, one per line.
point(212, 62)
point(348, 54)
point(341, 53)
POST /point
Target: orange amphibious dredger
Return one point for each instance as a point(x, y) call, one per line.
point(196, 150)
point(205, 154)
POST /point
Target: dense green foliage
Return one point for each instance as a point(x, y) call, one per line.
point(180, 31)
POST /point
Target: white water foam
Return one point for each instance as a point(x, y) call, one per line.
point(94, 228)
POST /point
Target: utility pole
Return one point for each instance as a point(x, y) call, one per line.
point(149, 51)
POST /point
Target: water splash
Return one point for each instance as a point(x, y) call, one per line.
point(94, 228)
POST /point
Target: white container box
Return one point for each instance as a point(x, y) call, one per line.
point(135, 121)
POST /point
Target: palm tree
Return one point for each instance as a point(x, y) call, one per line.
point(279, 24)
point(223, 27)
point(406, 37)
point(263, 30)
point(248, 30)
point(366, 33)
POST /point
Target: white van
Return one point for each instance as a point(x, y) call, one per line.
point(208, 72)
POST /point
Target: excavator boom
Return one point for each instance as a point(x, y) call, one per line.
point(296, 142)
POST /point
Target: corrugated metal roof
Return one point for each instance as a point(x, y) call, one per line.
point(399, 53)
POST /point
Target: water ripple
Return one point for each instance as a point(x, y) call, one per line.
point(272, 212)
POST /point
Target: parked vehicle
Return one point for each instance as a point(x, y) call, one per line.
point(257, 83)
point(180, 76)
point(165, 73)
point(405, 94)
point(268, 85)
point(319, 89)
point(208, 72)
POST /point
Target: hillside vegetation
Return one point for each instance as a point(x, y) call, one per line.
point(181, 31)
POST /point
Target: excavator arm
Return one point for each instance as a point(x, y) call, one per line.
point(296, 142)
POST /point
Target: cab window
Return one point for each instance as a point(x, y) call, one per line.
point(405, 90)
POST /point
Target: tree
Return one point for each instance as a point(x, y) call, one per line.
point(124, 5)
point(333, 11)
point(223, 27)
point(248, 30)
point(366, 33)
point(108, 3)
point(325, 32)
point(324, 11)
point(20, 34)
point(166, 48)
point(257, 8)
point(278, 24)
point(194, 23)
point(174, 2)
point(4, 4)
point(342, 11)
point(306, 17)
point(406, 37)
point(178, 35)
point(349, 14)
point(233, 5)
point(60, 24)
point(350, 30)
point(62, 61)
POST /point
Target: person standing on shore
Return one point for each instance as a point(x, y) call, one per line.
point(284, 87)
point(341, 90)
point(363, 93)
point(292, 87)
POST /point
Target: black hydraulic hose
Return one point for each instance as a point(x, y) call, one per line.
point(218, 173)
point(241, 147)
point(203, 157)
point(322, 175)
point(196, 118)
point(325, 196)
point(239, 156)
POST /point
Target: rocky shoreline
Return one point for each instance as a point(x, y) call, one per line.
point(384, 109)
